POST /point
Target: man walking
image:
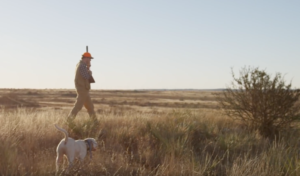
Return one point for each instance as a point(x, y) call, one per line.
point(82, 84)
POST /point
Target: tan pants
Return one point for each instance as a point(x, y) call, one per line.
point(83, 99)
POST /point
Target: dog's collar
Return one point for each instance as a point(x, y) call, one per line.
point(89, 147)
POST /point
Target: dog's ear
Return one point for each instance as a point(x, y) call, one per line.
point(95, 145)
point(92, 142)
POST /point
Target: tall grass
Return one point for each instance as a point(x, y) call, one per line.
point(135, 143)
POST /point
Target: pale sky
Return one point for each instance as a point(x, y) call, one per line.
point(157, 44)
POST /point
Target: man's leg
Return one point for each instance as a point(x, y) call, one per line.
point(88, 104)
point(80, 99)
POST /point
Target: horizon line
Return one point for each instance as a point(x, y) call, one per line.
point(146, 89)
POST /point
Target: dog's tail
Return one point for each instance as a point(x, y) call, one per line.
point(64, 131)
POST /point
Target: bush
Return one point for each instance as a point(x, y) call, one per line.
point(261, 102)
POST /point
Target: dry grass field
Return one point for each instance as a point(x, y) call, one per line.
point(139, 133)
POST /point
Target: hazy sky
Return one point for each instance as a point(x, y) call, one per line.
point(146, 44)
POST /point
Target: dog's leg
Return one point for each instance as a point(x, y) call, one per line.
point(71, 160)
point(59, 160)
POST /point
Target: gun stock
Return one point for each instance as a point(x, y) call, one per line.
point(91, 79)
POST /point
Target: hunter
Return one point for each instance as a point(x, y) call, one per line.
point(82, 84)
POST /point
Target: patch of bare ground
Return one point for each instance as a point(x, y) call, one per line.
point(13, 101)
point(115, 98)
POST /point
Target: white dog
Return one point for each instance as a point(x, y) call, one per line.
point(73, 148)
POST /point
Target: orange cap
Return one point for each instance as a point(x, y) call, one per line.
point(87, 54)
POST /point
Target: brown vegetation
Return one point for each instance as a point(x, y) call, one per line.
point(261, 102)
point(136, 140)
